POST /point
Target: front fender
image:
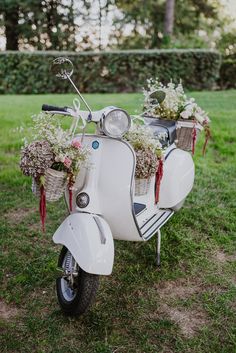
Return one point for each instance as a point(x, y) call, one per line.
point(89, 239)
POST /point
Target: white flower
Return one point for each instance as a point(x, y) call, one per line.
point(60, 158)
point(175, 105)
point(185, 114)
point(199, 118)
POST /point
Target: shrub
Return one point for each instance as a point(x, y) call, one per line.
point(228, 72)
point(115, 71)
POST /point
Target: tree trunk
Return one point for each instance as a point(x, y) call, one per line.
point(169, 17)
point(11, 16)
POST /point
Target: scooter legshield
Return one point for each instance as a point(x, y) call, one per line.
point(89, 239)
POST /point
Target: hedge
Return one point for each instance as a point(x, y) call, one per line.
point(228, 72)
point(115, 71)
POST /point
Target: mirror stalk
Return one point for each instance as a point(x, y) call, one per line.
point(80, 95)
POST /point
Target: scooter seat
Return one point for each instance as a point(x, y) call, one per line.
point(159, 126)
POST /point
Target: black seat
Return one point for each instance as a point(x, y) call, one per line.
point(159, 126)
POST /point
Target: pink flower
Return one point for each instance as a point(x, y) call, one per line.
point(75, 143)
point(67, 162)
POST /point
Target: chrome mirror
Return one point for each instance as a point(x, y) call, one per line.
point(62, 67)
point(157, 97)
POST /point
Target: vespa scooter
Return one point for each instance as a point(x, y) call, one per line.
point(104, 205)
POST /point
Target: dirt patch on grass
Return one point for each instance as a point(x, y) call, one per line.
point(16, 216)
point(222, 257)
point(7, 312)
point(178, 289)
point(189, 321)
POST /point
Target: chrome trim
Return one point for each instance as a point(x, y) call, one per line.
point(159, 226)
point(100, 228)
point(155, 221)
point(102, 122)
point(169, 152)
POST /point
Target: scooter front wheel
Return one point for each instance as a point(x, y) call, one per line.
point(76, 289)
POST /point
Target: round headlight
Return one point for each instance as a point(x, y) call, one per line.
point(116, 122)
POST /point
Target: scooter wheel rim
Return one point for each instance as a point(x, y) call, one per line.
point(68, 293)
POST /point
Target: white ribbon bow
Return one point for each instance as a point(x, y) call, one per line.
point(77, 117)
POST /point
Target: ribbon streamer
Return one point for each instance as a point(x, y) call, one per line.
point(159, 175)
point(42, 206)
point(70, 189)
point(194, 138)
point(207, 137)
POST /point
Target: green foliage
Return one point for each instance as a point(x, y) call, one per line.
point(148, 23)
point(228, 72)
point(227, 42)
point(41, 25)
point(108, 71)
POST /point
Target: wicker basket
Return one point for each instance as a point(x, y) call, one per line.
point(55, 182)
point(142, 186)
point(184, 131)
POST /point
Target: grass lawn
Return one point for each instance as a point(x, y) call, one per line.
point(186, 306)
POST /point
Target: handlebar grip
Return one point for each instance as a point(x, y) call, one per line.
point(51, 108)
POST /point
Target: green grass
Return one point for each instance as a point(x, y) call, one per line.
point(186, 306)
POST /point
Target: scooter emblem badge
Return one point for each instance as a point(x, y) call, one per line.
point(95, 145)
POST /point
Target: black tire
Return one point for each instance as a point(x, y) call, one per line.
point(84, 291)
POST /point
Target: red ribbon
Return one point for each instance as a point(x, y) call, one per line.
point(207, 137)
point(159, 175)
point(70, 188)
point(70, 197)
point(42, 207)
point(194, 137)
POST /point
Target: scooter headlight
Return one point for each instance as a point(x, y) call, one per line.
point(116, 122)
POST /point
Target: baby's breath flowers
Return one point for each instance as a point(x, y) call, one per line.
point(176, 104)
point(68, 152)
point(36, 158)
point(146, 164)
point(53, 148)
point(147, 148)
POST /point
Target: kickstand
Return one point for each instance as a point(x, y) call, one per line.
point(158, 248)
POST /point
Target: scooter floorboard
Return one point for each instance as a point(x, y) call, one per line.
point(150, 226)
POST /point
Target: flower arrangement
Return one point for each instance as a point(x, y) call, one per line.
point(175, 105)
point(52, 159)
point(148, 150)
point(68, 151)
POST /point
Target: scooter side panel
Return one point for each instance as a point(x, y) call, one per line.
point(109, 182)
point(116, 188)
point(89, 239)
point(178, 178)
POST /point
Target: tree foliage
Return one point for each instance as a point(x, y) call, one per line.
point(43, 24)
point(147, 20)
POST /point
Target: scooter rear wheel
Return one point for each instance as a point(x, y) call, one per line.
point(76, 289)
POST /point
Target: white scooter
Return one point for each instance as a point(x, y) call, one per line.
point(104, 204)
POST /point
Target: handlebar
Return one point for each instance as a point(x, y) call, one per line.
point(51, 108)
point(84, 114)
